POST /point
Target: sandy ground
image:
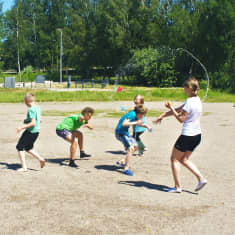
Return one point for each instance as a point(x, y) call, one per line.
point(98, 198)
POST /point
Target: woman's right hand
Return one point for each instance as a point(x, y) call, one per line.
point(158, 120)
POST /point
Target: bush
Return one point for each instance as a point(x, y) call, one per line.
point(53, 76)
point(222, 80)
point(152, 67)
point(27, 74)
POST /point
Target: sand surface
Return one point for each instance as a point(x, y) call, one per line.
point(98, 198)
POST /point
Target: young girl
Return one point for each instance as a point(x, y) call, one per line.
point(189, 114)
point(138, 130)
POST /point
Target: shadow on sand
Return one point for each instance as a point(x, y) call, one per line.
point(62, 161)
point(147, 185)
point(110, 168)
point(159, 187)
point(119, 152)
point(14, 166)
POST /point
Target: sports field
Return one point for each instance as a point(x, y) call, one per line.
point(97, 198)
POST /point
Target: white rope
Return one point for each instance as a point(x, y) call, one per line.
point(204, 68)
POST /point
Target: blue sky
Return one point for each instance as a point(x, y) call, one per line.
point(7, 4)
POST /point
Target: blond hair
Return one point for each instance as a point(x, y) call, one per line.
point(141, 98)
point(193, 84)
point(30, 97)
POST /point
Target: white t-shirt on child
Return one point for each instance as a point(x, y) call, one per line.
point(191, 126)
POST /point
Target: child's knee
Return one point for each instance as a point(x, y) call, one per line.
point(131, 149)
point(77, 134)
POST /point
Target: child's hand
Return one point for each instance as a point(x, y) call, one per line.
point(89, 126)
point(149, 128)
point(18, 129)
point(139, 122)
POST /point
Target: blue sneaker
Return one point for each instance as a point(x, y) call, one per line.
point(128, 172)
point(121, 164)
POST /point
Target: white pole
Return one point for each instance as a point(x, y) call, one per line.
point(18, 46)
point(61, 54)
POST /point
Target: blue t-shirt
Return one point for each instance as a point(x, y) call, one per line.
point(124, 130)
point(140, 128)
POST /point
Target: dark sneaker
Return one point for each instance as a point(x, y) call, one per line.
point(73, 164)
point(83, 155)
point(121, 164)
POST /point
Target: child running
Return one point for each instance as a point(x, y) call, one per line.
point(67, 129)
point(131, 118)
point(189, 114)
point(30, 135)
point(138, 130)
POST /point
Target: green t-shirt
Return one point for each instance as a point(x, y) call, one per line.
point(34, 112)
point(71, 123)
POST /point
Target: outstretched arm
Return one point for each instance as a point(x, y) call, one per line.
point(180, 116)
point(168, 114)
point(89, 126)
point(30, 124)
point(128, 123)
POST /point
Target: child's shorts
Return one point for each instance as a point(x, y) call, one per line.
point(127, 141)
point(26, 141)
point(137, 135)
point(63, 133)
point(187, 143)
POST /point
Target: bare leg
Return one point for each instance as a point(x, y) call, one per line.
point(73, 147)
point(36, 155)
point(22, 160)
point(175, 166)
point(191, 166)
point(130, 152)
point(80, 141)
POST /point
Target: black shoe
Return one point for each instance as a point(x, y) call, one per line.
point(73, 164)
point(83, 154)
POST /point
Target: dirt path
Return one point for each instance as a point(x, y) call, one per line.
point(98, 198)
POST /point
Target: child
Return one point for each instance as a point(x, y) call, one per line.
point(189, 114)
point(138, 130)
point(131, 118)
point(30, 135)
point(67, 129)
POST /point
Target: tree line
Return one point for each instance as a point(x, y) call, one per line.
point(111, 33)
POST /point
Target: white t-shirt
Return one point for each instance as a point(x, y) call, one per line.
point(191, 126)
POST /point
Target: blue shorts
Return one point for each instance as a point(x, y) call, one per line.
point(127, 141)
point(63, 133)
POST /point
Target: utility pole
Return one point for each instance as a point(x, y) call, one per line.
point(18, 44)
point(61, 55)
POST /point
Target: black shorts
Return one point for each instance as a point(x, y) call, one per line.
point(187, 143)
point(26, 141)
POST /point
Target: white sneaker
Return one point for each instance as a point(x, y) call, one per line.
point(22, 169)
point(201, 184)
point(174, 190)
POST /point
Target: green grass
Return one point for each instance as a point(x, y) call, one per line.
point(150, 94)
point(98, 113)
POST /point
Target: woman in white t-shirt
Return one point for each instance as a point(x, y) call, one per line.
point(189, 114)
